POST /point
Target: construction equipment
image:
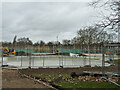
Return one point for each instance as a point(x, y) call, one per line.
point(12, 51)
point(6, 52)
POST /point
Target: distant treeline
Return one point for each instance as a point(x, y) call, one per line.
point(90, 37)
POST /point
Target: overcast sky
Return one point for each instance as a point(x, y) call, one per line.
point(45, 20)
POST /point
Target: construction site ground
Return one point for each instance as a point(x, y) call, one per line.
point(11, 78)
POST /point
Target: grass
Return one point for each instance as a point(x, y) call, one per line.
point(86, 84)
point(45, 77)
point(117, 60)
point(70, 83)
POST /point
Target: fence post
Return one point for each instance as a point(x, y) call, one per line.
point(89, 55)
point(59, 60)
point(2, 57)
point(30, 61)
point(72, 60)
point(103, 60)
point(21, 61)
point(33, 61)
point(43, 61)
point(62, 60)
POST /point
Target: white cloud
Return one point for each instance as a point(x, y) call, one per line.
point(45, 20)
point(46, 0)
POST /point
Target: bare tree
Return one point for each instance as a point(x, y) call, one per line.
point(91, 36)
point(112, 20)
point(42, 43)
point(14, 41)
point(24, 42)
point(66, 42)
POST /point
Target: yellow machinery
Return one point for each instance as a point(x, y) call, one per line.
point(7, 51)
point(12, 51)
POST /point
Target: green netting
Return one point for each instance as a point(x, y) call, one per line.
point(85, 51)
point(69, 51)
point(25, 50)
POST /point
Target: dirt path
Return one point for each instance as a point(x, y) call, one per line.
point(12, 79)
